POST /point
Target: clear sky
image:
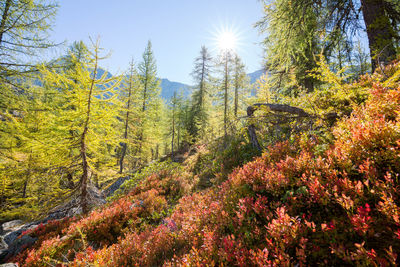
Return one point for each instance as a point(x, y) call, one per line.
point(177, 29)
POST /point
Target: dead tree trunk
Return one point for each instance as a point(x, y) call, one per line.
point(273, 107)
point(282, 108)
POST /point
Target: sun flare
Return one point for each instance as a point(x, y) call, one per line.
point(226, 38)
point(227, 41)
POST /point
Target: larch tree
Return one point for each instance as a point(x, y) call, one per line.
point(84, 120)
point(150, 104)
point(201, 75)
point(25, 162)
point(130, 90)
point(291, 43)
point(174, 112)
point(225, 67)
point(176, 120)
point(24, 25)
point(240, 83)
point(333, 19)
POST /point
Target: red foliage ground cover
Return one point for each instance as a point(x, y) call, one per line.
point(290, 206)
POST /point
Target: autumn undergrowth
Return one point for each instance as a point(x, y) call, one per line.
point(294, 204)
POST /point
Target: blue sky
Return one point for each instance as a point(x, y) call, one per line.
point(177, 29)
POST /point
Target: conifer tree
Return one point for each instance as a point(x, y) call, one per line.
point(24, 157)
point(83, 120)
point(23, 32)
point(151, 104)
point(225, 63)
point(130, 95)
point(201, 75)
point(176, 120)
point(240, 83)
point(360, 60)
point(291, 43)
point(174, 103)
point(299, 20)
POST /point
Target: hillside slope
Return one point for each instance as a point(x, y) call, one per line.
point(302, 202)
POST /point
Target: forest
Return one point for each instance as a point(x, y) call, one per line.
point(298, 168)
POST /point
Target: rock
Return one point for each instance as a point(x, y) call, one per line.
point(3, 245)
point(73, 207)
point(8, 265)
point(11, 241)
point(11, 237)
point(17, 246)
point(9, 226)
point(10, 244)
point(114, 186)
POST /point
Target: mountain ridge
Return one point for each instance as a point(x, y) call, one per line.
point(169, 87)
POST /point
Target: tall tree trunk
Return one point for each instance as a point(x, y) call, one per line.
point(226, 96)
point(83, 146)
point(178, 135)
point(173, 131)
point(236, 96)
point(28, 175)
point(124, 145)
point(202, 88)
point(157, 151)
point(4, 18)
point(340, 59)
point(25, 186)
point(70, 180)
point(143, 110)
point(380, 32)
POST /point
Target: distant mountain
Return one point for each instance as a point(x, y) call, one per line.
point(100, 73)
point(254, 76)
point(168, 88)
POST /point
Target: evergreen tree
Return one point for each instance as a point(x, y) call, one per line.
point(151, 105)
point(130, 90)
point(225, 65)
point(291, 43)
point(201, 75)
point(360, 60)
point(240, 83)
point(298, 21)
point(174, 104)
point(177, 116)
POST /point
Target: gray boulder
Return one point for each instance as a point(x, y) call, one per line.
point(10, 243)
point(12, 225)
point(17, 246)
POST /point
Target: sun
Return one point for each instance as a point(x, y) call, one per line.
point(226, 38)
point(227, 41)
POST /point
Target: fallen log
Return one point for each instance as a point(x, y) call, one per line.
point(277, 108)
point(281, 108)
